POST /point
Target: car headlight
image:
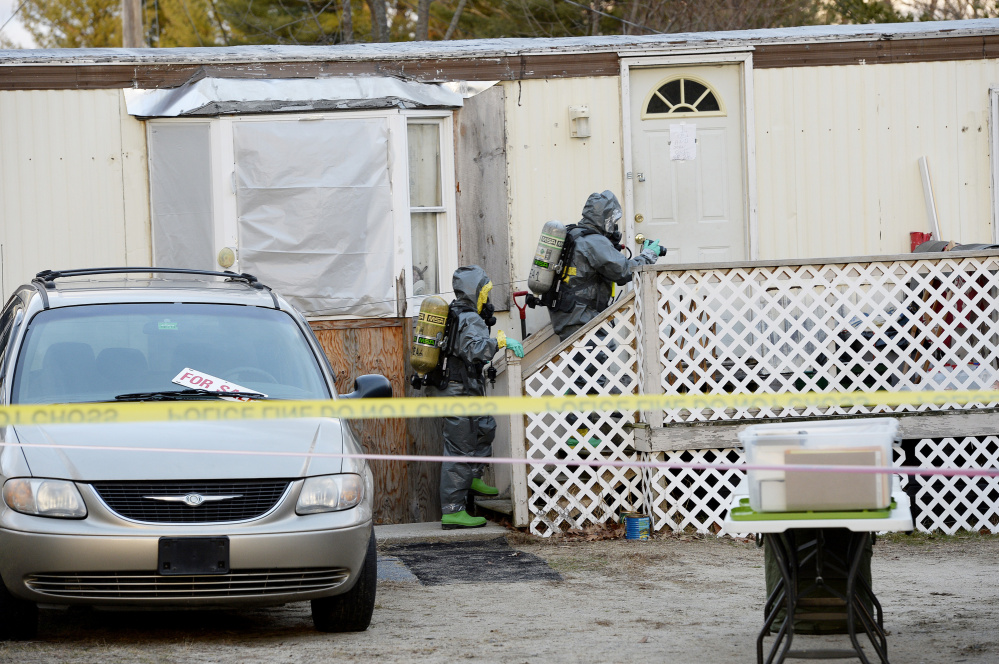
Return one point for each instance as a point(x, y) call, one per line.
point(40, 497)
point(330, 493)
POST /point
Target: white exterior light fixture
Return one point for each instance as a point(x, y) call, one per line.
point(579, 121)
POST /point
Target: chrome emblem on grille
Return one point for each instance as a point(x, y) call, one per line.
point(192, 499)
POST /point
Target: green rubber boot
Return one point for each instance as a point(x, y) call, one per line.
point(461, 519)
point(483, 489)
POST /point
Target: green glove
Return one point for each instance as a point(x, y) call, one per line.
point(653, 245)
point(504, 341)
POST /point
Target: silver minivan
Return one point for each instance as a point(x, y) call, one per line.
point(179, 513)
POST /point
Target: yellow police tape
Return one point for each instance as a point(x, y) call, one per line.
point(206, 411)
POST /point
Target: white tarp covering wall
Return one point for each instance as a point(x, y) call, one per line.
point(180, 184)
point(314, 212)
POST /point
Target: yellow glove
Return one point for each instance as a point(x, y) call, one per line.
point(512, 344)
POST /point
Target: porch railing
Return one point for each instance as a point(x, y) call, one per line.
point(894, 323)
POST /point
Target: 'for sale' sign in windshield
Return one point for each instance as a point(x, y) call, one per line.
point(202, 381)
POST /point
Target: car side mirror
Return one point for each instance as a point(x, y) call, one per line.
point(370, 386)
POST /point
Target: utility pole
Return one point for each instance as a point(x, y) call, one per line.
point(131, 24)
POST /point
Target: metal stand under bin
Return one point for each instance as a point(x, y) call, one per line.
point(794, 550)
point(797, 551)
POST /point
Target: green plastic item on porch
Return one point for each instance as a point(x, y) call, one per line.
point(746, 513)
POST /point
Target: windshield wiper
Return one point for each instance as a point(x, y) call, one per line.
point(181, 395)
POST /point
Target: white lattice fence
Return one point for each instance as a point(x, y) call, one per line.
point(950, 504)
point(604, 362)
point(897, 325)
point(679, 499)
point(894, 325)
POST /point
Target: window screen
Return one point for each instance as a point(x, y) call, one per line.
point(426, 206)
point(180, 183)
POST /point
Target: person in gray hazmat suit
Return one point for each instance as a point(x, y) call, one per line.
point(471, 349)
point(596, 265)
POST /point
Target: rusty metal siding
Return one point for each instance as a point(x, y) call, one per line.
point(500, 59)
point(550, 174)
point(875, 51)
point(837, 151)
point(90, 76)
point(72, 183)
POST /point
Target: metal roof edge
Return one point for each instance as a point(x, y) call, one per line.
point(498, 48)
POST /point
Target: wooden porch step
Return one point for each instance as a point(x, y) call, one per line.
point(500, 505)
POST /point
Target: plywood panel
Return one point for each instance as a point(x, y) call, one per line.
point(483, 216)
point(404, 491)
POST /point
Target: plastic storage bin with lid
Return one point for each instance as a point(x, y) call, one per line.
point(856, 442)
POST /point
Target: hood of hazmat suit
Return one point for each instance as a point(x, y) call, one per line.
point(602, 212)
point(595, 266)
point(468, 282)
point(471, 346)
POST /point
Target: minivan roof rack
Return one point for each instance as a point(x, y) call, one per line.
point(47, 277)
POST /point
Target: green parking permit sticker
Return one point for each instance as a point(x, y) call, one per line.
point(167, 325)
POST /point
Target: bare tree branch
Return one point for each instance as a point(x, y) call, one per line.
point(379, 20)
point(423, 20)
point(454, 20)
point(346, 22)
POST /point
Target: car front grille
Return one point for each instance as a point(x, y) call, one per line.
point(252, 499)
point(143, 585)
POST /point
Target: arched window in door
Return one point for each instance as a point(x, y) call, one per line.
point(681, 97)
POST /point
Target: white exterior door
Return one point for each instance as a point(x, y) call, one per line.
point(688, 168)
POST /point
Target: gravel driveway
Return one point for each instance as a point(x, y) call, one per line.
point(672, 599)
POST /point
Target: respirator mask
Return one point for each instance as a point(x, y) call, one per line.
point(613, 232)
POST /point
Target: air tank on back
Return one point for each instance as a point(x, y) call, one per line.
point(546, 258)
point(428, 334)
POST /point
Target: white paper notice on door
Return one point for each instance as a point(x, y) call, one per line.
point(682, 142)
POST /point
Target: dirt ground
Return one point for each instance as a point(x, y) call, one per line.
point(671, 599)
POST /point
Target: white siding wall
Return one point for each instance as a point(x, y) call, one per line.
point(551, 174)
point(837, 151)
point(73, 183)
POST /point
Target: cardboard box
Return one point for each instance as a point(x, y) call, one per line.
point(858, 442)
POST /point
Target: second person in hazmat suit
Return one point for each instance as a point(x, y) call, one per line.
point(596, 265)
point(471, 348)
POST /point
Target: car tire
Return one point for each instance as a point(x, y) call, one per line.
point(350, 611)
point(18, 617)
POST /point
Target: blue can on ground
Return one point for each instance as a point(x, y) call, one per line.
point(636, 526)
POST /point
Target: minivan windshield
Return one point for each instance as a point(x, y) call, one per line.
point(99, 352)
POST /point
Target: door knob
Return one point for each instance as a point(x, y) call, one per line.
point(639, 239)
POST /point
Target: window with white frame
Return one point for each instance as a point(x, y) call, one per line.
point(345, 214)
point(433, 211)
